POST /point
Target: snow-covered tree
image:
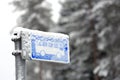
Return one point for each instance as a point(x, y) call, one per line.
point(36, 14)
point(93, 26)
point(108, 26)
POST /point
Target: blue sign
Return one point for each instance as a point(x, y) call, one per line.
point(50, 48)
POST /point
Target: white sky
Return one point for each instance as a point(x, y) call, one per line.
point(7, 22)
point(56, 9)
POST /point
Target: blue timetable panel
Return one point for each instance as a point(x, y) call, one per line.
point(50, 48)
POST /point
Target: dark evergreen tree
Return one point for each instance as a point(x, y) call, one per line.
point(93, 26)
point(37, 14)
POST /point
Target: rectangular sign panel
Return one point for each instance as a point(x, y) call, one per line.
point(45, 46)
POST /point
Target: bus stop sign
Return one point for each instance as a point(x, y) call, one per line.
point(45, 46)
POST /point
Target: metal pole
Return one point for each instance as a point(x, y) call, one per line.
point(19, 62)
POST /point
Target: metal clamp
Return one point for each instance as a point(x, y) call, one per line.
point(16, 35)
point(16, 52)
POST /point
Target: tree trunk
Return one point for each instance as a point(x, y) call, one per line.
point(94, 40)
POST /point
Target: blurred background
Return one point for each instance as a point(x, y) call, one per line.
point(93, 27)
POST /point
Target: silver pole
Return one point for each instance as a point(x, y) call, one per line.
point(20, 68)
point(19, 62)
